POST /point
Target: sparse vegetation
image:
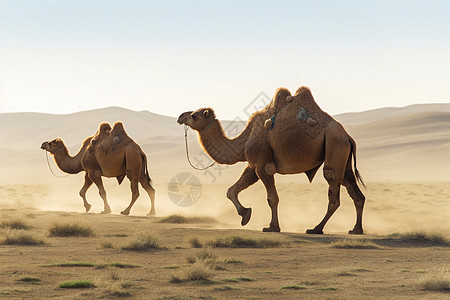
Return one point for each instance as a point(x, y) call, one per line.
point(22, 239)
point(421, 237)
point(355, 244)
point(29, 279)
point(437, 283)
point(294, 287)
point(239, 279)
point(79, 284)
point(178, 219)
point(196, 243)
point(15, 224)
point(197, 272)
point(107, 245)
point(70, 230)
point(243, 242)
point(123, 265)
point(233, 261)
point(142, 243)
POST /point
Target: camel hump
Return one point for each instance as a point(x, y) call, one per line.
point(279, 100)
point(118, 129)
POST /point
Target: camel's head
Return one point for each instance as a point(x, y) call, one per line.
point(199, 119)
point(53, 145)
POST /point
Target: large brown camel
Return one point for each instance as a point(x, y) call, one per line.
point(109, 153)
point(290, 135)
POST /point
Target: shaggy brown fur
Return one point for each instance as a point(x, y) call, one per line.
point(302, 138)
point(101, 155)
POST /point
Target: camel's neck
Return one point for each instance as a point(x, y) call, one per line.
point(222, 149)
point(69, 164)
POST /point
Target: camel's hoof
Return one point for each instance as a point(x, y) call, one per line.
point(314, 231)
point(151, 213)
point(356, 231)
point(271, 229)
point(125, 213)
point(88, 207)
point(105, 212)
point(246, 216)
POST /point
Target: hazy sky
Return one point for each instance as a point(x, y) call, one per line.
point(171, 56)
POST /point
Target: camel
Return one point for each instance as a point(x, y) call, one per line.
point(290, 135)
point(109, 153)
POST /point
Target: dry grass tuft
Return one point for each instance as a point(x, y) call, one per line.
point(22, 239)
point(70, 230)
point(29, 279)
point(143, 243)
point(437, 283)
point(197, 272)
point(178, 219)
point(421, 237)
point(15, 224)
point(196, 243)
point(355, 244)
point(235, 241)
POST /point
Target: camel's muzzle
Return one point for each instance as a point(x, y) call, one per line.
point(44, 145)
point(182, 119)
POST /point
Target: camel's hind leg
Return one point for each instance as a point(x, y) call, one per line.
point(97, 179)
point(134, 169)
point(87, 184)
point(248, 177)
point(151, 193)
point(272, 199)
point(357, 196)
point(336, 156)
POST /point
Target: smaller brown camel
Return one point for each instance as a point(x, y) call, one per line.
point(290, 135)
point(109, 153)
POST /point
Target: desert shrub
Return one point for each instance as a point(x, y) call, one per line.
point(15, 224)
point(354, 244)
point(107, 245)
point(79, 284)
point(421, 237)
point(70, 230)
point(21, 238)
point(195, 242)
point(142, 243)
point(197, 272)
point(178, 219)
point(243, 242)
point(123, 265)
point(438, 283)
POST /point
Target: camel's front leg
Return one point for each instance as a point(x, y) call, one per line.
point(248, 177)
point(97, 179)
point(87, 184)
point(272, 198)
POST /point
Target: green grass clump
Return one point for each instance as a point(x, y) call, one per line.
point(75, 264)
point(79, 284)
point(29, 279)
point(142, 243)
point(15, 224)
point(178, 219)
point(294, 287)
point(354, 244)
point(243, 242)
point(421, 237)
point(70, 230)
point(123, 265)
point(22, 239)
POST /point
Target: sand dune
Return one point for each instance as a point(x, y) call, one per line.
point(394, 144)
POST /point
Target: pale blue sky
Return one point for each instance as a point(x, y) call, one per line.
point(171, 56)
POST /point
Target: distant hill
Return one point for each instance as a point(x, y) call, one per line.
point(409, 143)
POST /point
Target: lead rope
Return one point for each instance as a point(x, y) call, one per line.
point(186, 128)
point(50, 167)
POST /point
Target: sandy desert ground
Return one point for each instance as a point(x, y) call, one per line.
point(403, 157)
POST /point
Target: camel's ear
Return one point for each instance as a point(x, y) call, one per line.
point(206, 113)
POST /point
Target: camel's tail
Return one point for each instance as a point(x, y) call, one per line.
point(144, 162)
point(353, 153)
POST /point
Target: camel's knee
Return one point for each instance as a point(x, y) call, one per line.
point(270, 169)
point(328, 174)
point(273, 201)
point(231, 193)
